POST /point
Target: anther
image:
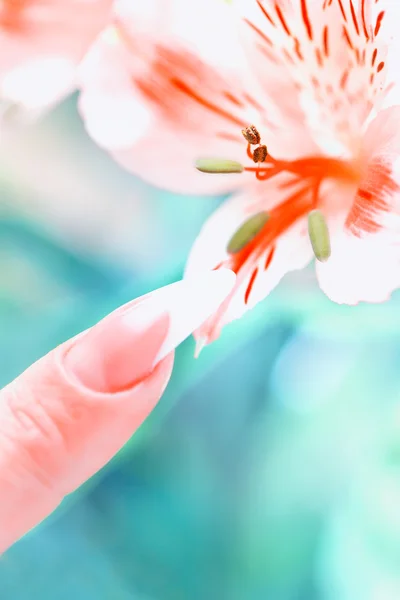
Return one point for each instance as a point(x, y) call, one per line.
point(251, 135)
point(247, 232)
point(260, 154)
point(218, 165)
point(319, 235)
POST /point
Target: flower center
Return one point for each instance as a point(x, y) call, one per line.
point(313, 167)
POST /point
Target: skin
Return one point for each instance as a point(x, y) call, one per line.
point(69, 413)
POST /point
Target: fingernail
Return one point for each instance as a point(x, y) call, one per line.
point(127, 345)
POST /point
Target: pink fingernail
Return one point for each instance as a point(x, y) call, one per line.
point(127, 345)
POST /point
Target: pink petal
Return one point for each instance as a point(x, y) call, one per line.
point(360, 270)
point(365, 261)
point(177, 75)
point(320, 63)
point(263, 268)
point(42, 41)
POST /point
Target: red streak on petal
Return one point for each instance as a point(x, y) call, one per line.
point(268, 54)
point(265, 13)
point(185, 89)
point(347, 37)
point(318, 57)
point(270, 256)
point(380, 67)
point(364, 24)
point(342, 10)
point(379, 22)
point(288, 56)
point(353, 14)
point(326, 41)
point(233, 99)
point(297, 48)
point(374, 56)
point(306, 19)
point(282, 20)
point(250, 285)
point(259, 32)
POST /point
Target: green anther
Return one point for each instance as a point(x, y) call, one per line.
point(247, 232)
point(319, 235)
point(218, 165)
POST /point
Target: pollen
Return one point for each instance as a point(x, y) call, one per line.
point(251, 135)
point(260, 154)
point(319, 235)
point(247, 232)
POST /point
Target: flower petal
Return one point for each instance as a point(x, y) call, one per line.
point(260, 268)
point(360, 269)
point(321, 62)
point(41, 44)
point(178, 74)
point(365, 260)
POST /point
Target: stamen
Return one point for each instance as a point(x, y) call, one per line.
point(247, 232)
point(251, 135)
point(218, 165)
point(260, 154)
point(319, 235)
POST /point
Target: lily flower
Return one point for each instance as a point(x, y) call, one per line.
point(41, 42)
point(294, 110)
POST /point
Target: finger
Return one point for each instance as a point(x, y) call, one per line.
point(70, 412)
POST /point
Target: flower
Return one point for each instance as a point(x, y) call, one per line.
point(41, 43)
point(312, 79)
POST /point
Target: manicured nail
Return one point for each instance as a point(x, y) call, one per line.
point(127, 345)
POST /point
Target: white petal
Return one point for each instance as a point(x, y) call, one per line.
point(184, 65)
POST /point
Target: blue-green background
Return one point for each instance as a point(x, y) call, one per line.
point(270, 470)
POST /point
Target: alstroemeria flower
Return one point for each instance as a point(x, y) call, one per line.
point(162, 91)
point(41, 43)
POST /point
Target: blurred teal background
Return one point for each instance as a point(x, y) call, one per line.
point(270, 469)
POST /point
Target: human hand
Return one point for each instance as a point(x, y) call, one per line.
point(70, 412)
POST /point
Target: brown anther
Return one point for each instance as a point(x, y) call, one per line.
point(260, 154)
point(251, 135)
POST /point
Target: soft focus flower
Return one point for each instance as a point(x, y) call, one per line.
point(42, 42)
point(177, 84)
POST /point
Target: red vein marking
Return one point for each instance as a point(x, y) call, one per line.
point(297, 48)
point(379, 22)
point(380, 67)
point(364, 24)
point(250, 285)
point(342, 10)
point(374, 56)
point(260, 33)
point(319, 57)
point(344, 79)
point(270, 256)
point(364, 194)
point(265, 13)
point(348, 40)
point(233, 99)
point(185, 89)
point(288, 56)
point(306, 19)
point(282, 20)
point(353, 14)
point(326, 41)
